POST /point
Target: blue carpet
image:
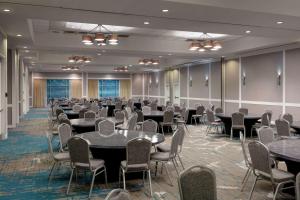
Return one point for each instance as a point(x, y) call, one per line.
point(36, 113)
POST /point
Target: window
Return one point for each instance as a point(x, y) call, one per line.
point(109, 88)
point(58, 89)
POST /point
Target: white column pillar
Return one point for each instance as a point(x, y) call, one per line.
point(283, 82)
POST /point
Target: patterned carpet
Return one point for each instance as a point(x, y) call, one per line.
point(25, 163)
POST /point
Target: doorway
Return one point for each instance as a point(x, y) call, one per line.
point(172, 86)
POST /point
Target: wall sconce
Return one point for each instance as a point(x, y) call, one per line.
point(156, 81)
point(206, 80)
point(279, 78)
point(244, 78)
point(191, 81)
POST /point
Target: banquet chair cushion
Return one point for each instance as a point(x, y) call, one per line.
point(134, 167)
point(95, 163)
point(163, 156)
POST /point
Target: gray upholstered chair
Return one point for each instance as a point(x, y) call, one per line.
point(82, 111)
point(118, 106)
point(125, 114)
point(167, 120)
point(80, 160)
point(103, 112)
point(199, 114)
point(237, 123)
point(58, 111)
point(64, 133)
point(137, 159)
point(177, 108)
point(132, 122)
point(140, 118)
point(149, 126)
point(146, 109)
point(211, 122)
point(283, 128)
point(119, 117)
point(76, 108)
point(265, 135)
point(58, 158)
point(65, 121)
point(246, 160)
point(106, 127)
point(288, 117)
point(265, 121)
point(219, 110)
point(244, 111)
point(94, 108)
point(183, 119)
point(165, 157)
point(262, 169)
point(97, 123)
point(62, 116)
point(298, 186)
point(89, 115)
point(170, 108)
point(164, 147)
point(197, 183)
point(118, 194)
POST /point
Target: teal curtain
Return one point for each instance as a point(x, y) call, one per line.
point(109, 88)
point(58, 89)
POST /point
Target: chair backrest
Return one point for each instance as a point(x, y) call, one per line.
point(65, 121)
point(283, 127)
point(186, 114)
point(260, 157)
point(90, 115)
point(170, 108)
point(265, 135)
point(246, 159)
point(128, 110)
point(175, 143)
point(106, 127)
point(146, 109)
point(103, 112)
point(200, 110)
point(65, 133)
point(118, 105)
point(50, 148)
point(76, 108)
point(265, 121)
point(153, 106)
point(126, 115)
point(79, 151)
point(132, 122)
point(119, 116)
point(163, 107)
point(177, 108)
point(181, 133)
point(138, 152)
point(140, 116)
point(118, 194)
point(298, 186)
point(197, 183)
point(97, 122)
point(237, 119)
point(288, 117)
point(81, 112)
point(210, 116)
point(149, 126)
point(62, 116)
point(219, 110)
point(244, 111)
point(94, 108)
point(212, 107)
point(168, 116)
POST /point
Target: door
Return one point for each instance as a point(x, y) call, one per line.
point(172, 86)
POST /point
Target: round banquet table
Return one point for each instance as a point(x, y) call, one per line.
point(83, 125)
point(67, 108)
point(249, 121)
point(296, 126)
point(71, 114)
point(112, 149)
point(110, 109)
point(287, 150)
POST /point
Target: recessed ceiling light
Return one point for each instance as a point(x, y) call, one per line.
point(146, 23)
point(19, 35)
point(160, 56)
point(248, 31)
point(25, 47)
point(130, 65)
point(6, 10)
point(26, 51)
point(279, 22)
point(165, 10)
point(169, 54)
point(99, 54)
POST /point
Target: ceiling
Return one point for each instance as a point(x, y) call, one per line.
point(50, 30)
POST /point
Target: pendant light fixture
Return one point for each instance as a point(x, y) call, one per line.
point(205, 43)
point(99, 38)
point(148, 62)
point(79, 59)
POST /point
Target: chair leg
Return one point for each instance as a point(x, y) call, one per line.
point(245, 179)
point(124, 181)
point(51, 170)
point(175, 167)
point(250, 196)
point(105, 175)
point(162, 129)
point(186, 128)
point(180, 161)
point(245, 134)
point(70, 181)
point(150, 184)
point(231, 134)
point(168, 173)
point(92, 184)
point(120, 177)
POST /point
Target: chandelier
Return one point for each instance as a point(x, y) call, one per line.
point(205, 43)
point(148, 62)
point(99, 38)
point(121, 69)
point(70, 68)
point(80, 59)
